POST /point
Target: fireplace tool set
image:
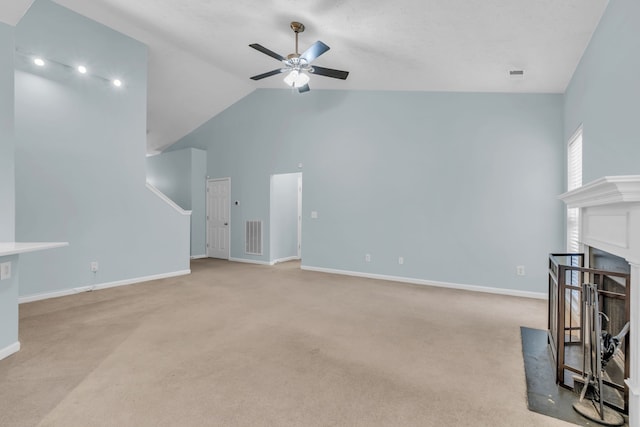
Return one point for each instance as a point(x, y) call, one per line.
point(599, 348)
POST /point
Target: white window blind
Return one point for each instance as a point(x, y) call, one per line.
point(574, 180)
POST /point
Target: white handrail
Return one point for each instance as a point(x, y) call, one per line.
point(167, 200)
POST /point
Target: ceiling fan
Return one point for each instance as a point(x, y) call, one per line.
point(298, 65)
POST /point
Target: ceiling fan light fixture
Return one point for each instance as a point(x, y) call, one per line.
point(298, 65)
point(296, 79)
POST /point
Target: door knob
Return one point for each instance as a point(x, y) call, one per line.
point(226, 223)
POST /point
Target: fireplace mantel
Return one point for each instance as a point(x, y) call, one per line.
point(610, 220)
point(604, 191)
point(610, 215)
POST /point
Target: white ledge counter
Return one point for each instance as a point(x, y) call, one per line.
point(13, 248)
point(9, 343)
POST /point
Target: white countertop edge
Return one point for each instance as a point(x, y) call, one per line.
point(13, 248)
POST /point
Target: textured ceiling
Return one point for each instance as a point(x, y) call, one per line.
point(200, 61)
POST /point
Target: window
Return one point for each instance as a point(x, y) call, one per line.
point(574, 180)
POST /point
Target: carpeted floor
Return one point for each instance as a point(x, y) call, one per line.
point(246, 345)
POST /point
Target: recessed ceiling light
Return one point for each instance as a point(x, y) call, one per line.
point(117, 83)
point(39, 62)
point(82, 69)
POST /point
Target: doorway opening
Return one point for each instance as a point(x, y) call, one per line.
point(286, 217)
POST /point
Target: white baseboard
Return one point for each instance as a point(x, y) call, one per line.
point(199, 256)
point(291, 258)
point(633, 388)
point(251, 261)
point(473, 288)
point(73, 291)
point(9, 350)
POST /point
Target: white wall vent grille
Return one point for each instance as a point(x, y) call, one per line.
point(253, 236)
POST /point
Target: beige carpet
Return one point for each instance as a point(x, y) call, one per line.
point(246, 345)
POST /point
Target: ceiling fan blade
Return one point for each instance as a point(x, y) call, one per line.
point(268, 74)
point(304, 89)
point(266, 51)
point(329, 72)
point(316, 49)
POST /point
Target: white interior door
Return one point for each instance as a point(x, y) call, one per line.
point(218, 224)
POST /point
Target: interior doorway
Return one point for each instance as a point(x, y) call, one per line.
point(286, 217)
point(218, 217)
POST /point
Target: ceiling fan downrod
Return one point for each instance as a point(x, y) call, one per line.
point(297, 27)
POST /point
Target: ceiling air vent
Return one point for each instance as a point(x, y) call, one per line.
point(516, 74)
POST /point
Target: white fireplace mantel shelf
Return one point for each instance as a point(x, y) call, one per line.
point(13, 248)
point(604, 191)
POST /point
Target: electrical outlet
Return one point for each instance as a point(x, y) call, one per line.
point(520, 270)
point(367, 257)
point(5, 271)
point(401, 260)
point(94, 266)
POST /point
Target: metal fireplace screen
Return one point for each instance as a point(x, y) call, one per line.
point(566, 321)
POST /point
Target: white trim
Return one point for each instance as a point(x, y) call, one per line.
point(290, 258)
point(13, 248)
point(73, 291)
point(199, 256)
point(633, 388)
point(9, 350)
point(603, 191)
point(474, 288)
point(251, 261)
point(167, 200)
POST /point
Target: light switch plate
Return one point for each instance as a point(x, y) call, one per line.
point(5, 271)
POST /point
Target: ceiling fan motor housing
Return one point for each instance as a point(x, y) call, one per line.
point(297, 27)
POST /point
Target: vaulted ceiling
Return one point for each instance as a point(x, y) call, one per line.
point(200, 62)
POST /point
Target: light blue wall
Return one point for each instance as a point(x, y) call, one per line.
point(463, 186)
point(181, 175)
point(284, 216)
point(7, 144)
point(171, 174)
point(9, 305)
point(604, 95)
point(198, 203)
point(80, 159)
point(8, 288)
